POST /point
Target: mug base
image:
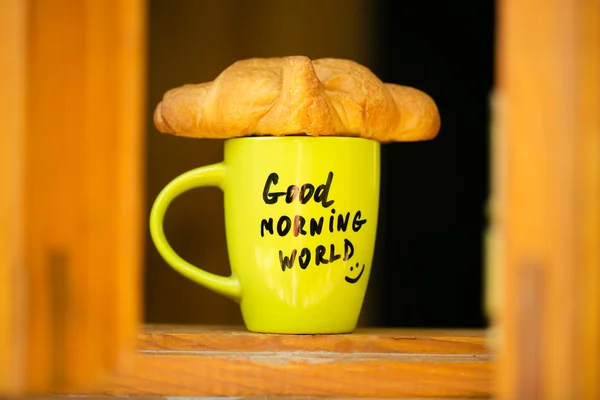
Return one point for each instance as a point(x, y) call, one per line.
point(301, 331)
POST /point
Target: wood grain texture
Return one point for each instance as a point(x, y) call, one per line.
point(75, 168)
point(547, 190)
point(391, 341)
point(187, 361)
point(12, 114)
point(155, 397)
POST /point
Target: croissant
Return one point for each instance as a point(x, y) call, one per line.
point(298, 96)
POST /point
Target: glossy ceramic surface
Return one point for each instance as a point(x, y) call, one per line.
point(301, 220)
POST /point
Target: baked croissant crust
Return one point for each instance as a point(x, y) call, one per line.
point(295, 95)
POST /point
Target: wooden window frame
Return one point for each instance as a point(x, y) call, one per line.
point(542, 245)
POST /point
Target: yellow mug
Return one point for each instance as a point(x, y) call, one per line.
point(300, 219)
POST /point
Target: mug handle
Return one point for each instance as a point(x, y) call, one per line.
point(210, 175)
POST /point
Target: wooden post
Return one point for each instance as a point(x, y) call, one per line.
point(12, 111)
point(70, 190)
point(546, 193)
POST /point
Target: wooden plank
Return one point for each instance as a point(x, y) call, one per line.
point(547, 183)
point(588, 202)
point(80, 191)
point(192, 361)
point(12, 114)
point(154, 397)
point(391, 341)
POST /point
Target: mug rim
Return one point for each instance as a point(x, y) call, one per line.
point(300, 137)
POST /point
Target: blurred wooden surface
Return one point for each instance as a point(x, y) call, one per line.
point(12, 114)
point(156, 397)
point(192, 361)
point(547, 197)
point(192, 41)
point(70, 188)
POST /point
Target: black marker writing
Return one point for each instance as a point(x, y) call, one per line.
point(299, 225)
point(293, 192)
point(321, 255)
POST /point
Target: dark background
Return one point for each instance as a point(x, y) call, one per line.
point(429, 261)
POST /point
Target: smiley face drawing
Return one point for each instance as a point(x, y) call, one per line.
point(354, 280)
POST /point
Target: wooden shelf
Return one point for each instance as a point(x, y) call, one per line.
point(213, 361)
